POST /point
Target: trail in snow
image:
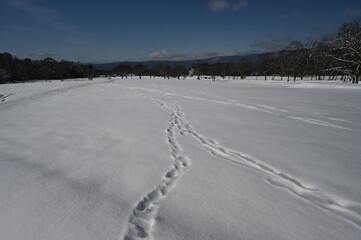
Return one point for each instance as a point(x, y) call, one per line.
point(35, 97)
point(351, 212)
point(319, 122)
point(38, 96)
point(344, 121)
point(3, 97)
point(258, 107)
point(141, 220)
point(269, 110)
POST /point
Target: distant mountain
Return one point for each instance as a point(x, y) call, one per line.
point(188, 63)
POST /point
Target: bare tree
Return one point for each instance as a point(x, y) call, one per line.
point(163, 70)
point(4, 76)
point(123, 69)
point(263, 66)
point(347, 49)
point(200, 69)
point(296, 59)
point(179, 71)
point(140, 70)
point(90, 72)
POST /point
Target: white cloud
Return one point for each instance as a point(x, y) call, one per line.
point(164, 55)
point(160, 54)
point(222, 5)
point(272, 43)
point(42, 15)
point(320, 37)
point(218, 5)
point(351, 13)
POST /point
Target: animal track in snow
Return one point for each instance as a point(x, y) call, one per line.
point(37, 96)
point(351, 212)
point(258, 108)
point(3, 97)
point(319, 122)
point(142, 218)
point(44, 94)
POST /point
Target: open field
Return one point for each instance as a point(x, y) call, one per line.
point(180, 159)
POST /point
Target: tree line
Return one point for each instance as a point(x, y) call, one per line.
point(160, 69)
point(13, 69)
point(338, 55)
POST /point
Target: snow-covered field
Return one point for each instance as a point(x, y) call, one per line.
point(180, 159)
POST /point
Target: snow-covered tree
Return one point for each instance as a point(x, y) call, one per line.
point(347, 49)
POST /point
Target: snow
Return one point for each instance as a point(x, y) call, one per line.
point(180, 159)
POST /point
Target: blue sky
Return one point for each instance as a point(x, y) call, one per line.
point(127, 30)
